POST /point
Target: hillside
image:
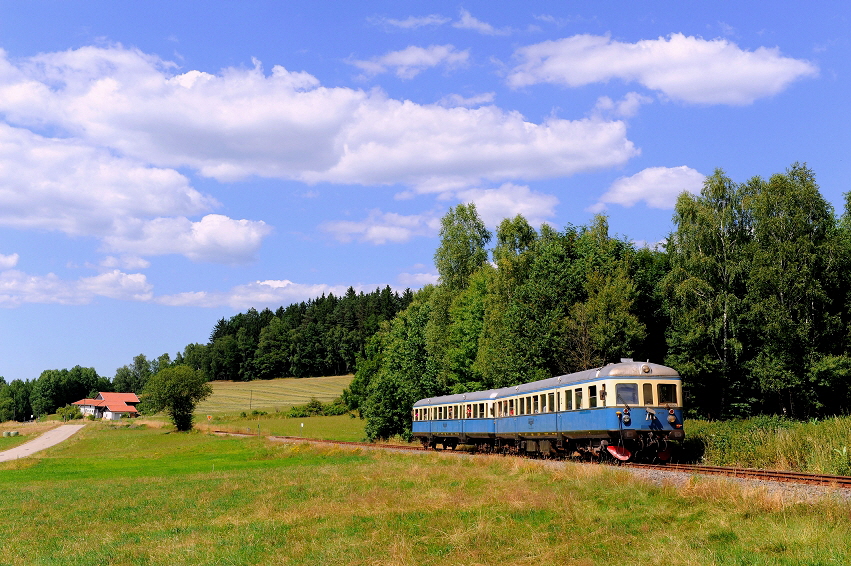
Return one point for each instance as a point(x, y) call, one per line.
point(271, 395)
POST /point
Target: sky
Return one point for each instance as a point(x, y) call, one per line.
point(167, 164)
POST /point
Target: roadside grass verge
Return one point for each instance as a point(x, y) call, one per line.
point(817, 446)
point(138, 495)
point(271, 395)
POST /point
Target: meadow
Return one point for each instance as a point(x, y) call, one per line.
point(271, 395)
point(131, 494)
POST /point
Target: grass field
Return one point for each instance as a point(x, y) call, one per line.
point(116, 495)
point(271, 395)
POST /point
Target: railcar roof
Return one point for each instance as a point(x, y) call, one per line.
point(627, 368)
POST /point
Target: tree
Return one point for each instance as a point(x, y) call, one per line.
point(704, 295)
point(463, 237)
point(176, 390)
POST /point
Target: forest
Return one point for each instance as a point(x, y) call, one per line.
point(749, 298)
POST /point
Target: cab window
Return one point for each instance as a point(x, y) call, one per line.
point(626, 394)
point(648, 393)
point(667, 393)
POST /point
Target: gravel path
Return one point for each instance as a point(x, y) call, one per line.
point(46, 440)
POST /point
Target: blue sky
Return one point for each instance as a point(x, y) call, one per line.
point(163, 165)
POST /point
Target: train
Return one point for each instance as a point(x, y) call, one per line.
point(629, 411)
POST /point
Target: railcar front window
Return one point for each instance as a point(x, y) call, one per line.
point(626, 393)
point(667, 393)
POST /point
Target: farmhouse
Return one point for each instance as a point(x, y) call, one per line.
point(110, 406)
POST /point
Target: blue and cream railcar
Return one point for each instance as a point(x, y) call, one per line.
point(630, 409)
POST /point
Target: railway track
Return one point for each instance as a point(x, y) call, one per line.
point(744, 473)
point(748, 473)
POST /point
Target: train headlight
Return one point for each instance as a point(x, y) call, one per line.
point(627, 419)
point(672, 418)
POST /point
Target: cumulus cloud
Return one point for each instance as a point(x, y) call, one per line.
point(467, 21)
point(684, 68)
point(658, 187)
point(418, 280)
point(213, 238)
point(507, 201)
point(243, 122)
point(73, 187)
point(409, 62)
point(383, 227)
point(17, 288)
point(8, 261)
point(269, 293)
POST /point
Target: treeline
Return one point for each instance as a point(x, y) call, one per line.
point(322, 336)
point(54, 388)
point(750, 299)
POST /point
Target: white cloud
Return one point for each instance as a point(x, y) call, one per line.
point(414, 22)
point(270, 293)
point(454, 100)
point(627, 107)
point(242, 122)
point(383, 227)
point(418, 280)
point(659, 187)
point(70, 186)
point(682, 67)
point(8, 261)
point(213, 238)
point(409, 62)
point(494, 205)
point(467, 21)
point(17, 288)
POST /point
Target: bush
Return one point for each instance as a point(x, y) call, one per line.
point(69, 412)
point(316, 408)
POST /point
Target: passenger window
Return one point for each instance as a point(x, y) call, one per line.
point(667, 393)
point(578, 399)
point(551, 401)
point(568, 406)
point(626, 394)
point(648, 393)
point(535, 404)
point(511, 407)
point(592, 396)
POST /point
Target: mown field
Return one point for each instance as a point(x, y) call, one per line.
point(271, 395)
point(116, 495)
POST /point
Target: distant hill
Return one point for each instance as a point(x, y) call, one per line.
point(270, 395)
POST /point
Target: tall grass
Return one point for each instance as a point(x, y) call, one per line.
point(822, 446)
point(115, 495)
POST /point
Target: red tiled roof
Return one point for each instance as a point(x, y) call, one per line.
point(118, 397)
point(121, 408)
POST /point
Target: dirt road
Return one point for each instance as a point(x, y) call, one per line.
point(46, 440)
